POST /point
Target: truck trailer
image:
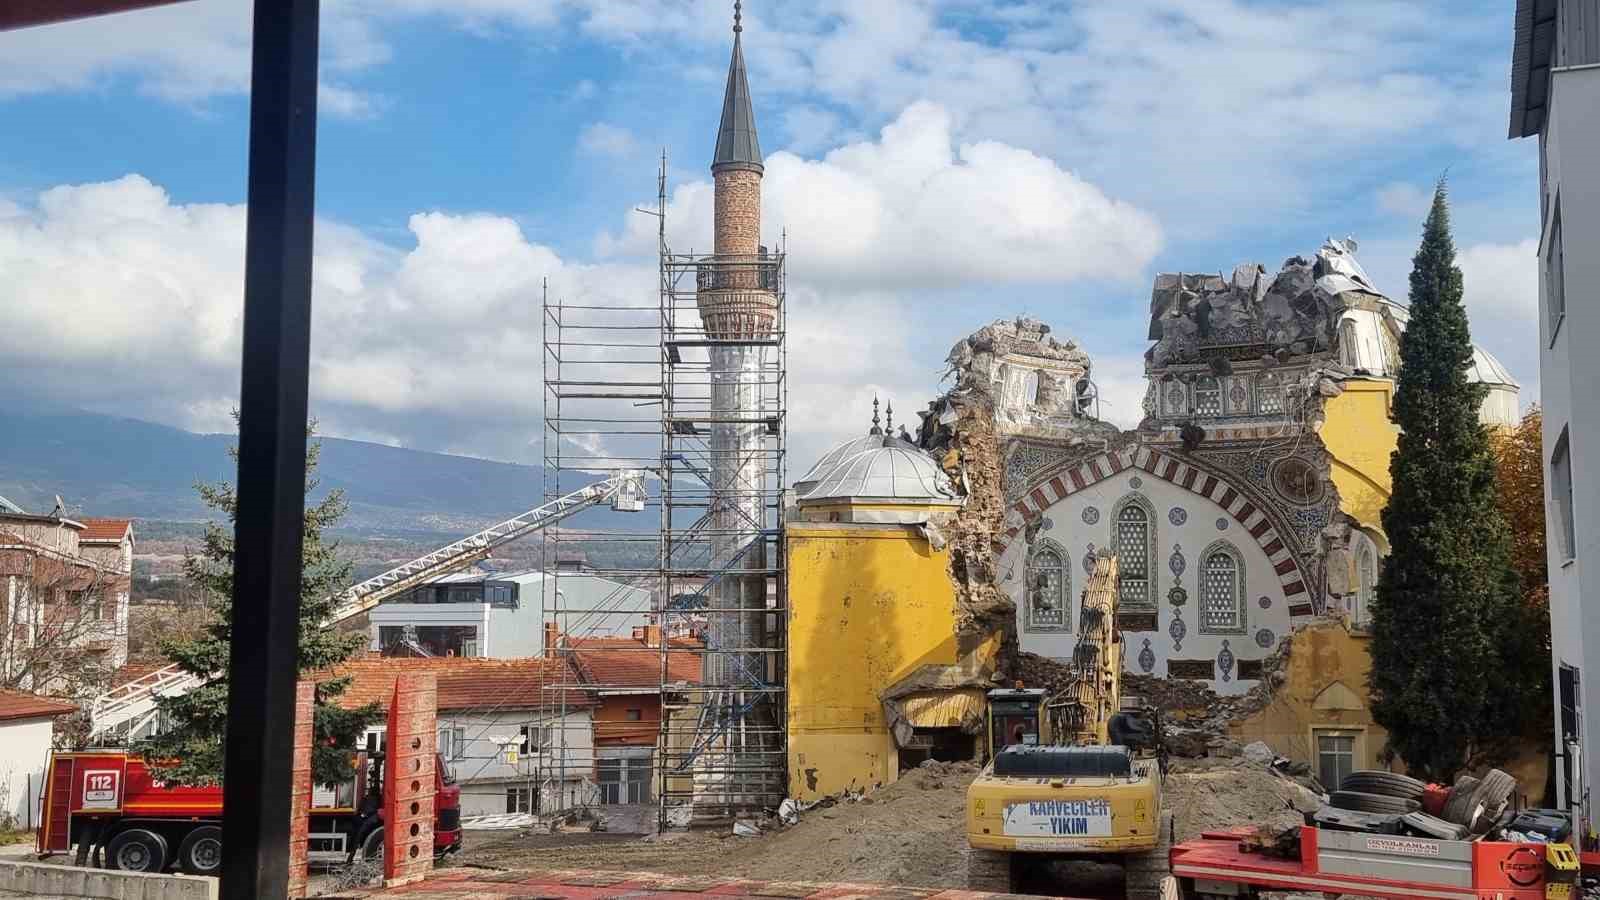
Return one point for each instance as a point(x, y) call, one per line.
point(110, 807)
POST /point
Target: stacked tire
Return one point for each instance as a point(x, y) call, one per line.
point(1377, 791)
point(1479, 803)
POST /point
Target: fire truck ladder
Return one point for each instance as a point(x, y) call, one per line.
point(129, 710)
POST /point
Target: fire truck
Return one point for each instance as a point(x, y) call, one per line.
point(109, 805)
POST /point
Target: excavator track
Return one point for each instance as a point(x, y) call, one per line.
point(1144, 873)
point(991, 871)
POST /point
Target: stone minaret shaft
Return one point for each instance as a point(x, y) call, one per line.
point(737, 304)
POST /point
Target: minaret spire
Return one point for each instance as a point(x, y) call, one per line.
point(737, 144)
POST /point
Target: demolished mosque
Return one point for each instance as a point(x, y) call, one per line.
point(1244, 508)
point(1247, 501)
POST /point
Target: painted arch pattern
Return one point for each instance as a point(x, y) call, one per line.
point(1062, 483)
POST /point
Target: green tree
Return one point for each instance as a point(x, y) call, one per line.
point(190, 749)
point(1453, 653)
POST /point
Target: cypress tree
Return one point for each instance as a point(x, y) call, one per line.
point(1449, 633)
point(189, 750)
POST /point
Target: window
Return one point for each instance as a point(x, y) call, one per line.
point(635, 715)
point(1134, 541)
point(1561, 493)
point(535, 738)
point(623, 780)
point(1336, 757)
point(522, 800)
point(1366, 584)
point(1555, 283)
point(1269, 394)
point(1568, 684)
point(1207, 397)
point(452, 742)
point(1049, 581)
point(1222, 605)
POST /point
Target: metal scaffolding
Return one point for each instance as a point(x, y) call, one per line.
point(697, 590)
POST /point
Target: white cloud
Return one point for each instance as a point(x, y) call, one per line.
point(1403, 198)
point(347, 103)
point(913, 209)
point(605, 139)
point(1501, 279)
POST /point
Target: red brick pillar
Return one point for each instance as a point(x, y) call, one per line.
point(300, 800)
point(408, 780)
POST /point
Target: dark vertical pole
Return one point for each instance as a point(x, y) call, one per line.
point(272, 450)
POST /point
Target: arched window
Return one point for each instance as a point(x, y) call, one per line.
point(1366, 584)
point(1207, 397)
point(1133, 536)
point(1269, 394)
point(1049, 589)
point(1222, 606)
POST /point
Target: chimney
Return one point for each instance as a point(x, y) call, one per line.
point(652, 635)
point(551, 637)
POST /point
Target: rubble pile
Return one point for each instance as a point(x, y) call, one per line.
point(1293, 313)
point(1196, 718)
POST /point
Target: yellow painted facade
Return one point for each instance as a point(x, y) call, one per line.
point(1359, 436)
point(868, 606)
point(1324, 695)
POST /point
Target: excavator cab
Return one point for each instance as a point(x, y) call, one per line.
point(1013, 718)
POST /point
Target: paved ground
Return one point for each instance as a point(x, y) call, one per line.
point(479, 884)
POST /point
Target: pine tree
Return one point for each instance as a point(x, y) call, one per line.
point(1450, 635)
point(190, 749)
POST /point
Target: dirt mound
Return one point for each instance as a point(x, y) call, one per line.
point(909, 833)
point(1213, 793)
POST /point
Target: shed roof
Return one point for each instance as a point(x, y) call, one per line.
point(16, 705)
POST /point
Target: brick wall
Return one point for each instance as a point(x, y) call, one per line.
point(738, 211)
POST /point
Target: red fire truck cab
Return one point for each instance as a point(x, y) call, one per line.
point(107, 804)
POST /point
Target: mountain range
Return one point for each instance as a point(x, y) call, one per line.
point(104, 465)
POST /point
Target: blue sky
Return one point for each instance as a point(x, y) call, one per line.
point(937, 164)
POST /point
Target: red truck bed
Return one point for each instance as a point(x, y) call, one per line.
point(1372, 865)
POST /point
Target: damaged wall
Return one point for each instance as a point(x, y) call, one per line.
point(872, 609)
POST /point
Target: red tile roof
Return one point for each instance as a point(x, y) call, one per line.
point(112, 530)
point(469, 683)
point(628, 663)
point(21, 705)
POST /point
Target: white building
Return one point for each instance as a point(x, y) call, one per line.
point(27, 729)
point(1555, 94)
point(504, 615)
point(518, 734)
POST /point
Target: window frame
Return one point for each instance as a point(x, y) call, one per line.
point(1336, 734)
point(1555, 275)
point(1207, 392)
point(1151, 601)
point(1063, 571)
point(1560, 477)
point(1238, 594)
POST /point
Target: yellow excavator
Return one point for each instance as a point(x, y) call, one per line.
point(1076, 775)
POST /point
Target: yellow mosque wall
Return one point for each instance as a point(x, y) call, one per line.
point(1357, 432)
point(868, 606)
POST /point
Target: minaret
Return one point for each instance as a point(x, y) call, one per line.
point(740, 767)
point(736, 306)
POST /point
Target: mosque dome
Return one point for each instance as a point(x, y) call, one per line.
point(877, 478)
point(881, 469)
point(1369, 342)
